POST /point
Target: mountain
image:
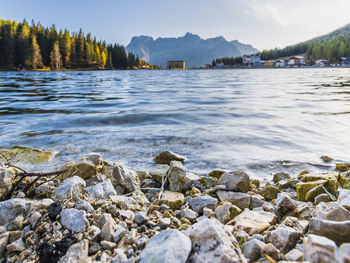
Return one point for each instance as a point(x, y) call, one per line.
point(190, 48)
point(331, 46)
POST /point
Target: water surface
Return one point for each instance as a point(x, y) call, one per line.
point(258, 120)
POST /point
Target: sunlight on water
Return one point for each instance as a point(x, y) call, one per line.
point(260, 121)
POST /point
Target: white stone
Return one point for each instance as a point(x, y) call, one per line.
point(176, 176)
point(126, 177)
point(83, 205)
point(74, 220)
point(7, 176)
point(253, 249)
point(34, 218)
point(235, 181)
point(294, 255)
point(284, 203)
point(343, 253)
point(168, 246)
point(14, 207)
point(77, 253)
point(140, 217)
point(331, 211)
point(212, 242)
point(344, 198)
point(285, 237)
point(102, 190)
point(319, 249)
point(254, 222)
point(71, 188)
point(159, 172)
point(241, 200)
point(16, 246)
point(198, 203)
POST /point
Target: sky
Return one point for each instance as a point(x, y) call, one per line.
point(265, 24)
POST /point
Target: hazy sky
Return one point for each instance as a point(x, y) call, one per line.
point(262, 23)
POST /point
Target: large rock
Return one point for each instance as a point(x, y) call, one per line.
point(102, 190)
point(319, 249)
point(253, 249)
point(126, 177)
point(331, 211)
point(344, 198)
point(336, 231)
point(235, 181)
point(167, 156)
point(241, 200)
point(173, 199)
point(168, 246)
point(311, 185)
point(344, 180)
point(24, 154)
point(343, 253)
point(285, 203)
point(270, 192)
point(176, 176)
point(226, 212)
point(85, 167)
point(74, 220)
point(12, 208)
point(304, 187)
point(71, 188)
point(198, 203)
point(212, 242)
point(7, 175)
point(159, 172)
point(285, 237)
point(254, 222)
point(280, 176)
point(309, 177)
point(77, 253)
point(190, 179)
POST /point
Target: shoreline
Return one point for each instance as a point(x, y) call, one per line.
point(98, 211)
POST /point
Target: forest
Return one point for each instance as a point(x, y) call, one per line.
point(332, 47)
point(33, 46)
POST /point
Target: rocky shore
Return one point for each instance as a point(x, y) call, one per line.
point(97, 211)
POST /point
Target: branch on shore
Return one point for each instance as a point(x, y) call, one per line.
point(24, 174)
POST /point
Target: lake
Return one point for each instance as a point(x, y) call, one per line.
point(257, 120)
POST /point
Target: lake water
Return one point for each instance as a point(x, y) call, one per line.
point(257, 120)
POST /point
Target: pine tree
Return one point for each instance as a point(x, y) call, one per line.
point(66, 49)
point(55, 56)
point(33, 58)
point(81, 48)
point(23, 42)
point(109, 63)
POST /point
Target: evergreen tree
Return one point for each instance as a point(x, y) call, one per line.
point(66, 49)
point(22, 42)
point(109, 63)
point(33, 58)
point(55, 56)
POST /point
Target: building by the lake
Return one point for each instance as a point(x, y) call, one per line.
point(252, 60)
point(296, 61)
point(180, 64)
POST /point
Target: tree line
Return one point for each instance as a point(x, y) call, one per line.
point(35, 47)
point(331, 47)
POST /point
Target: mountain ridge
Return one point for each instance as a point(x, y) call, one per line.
point(191, 48)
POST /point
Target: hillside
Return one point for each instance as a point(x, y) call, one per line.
point(331, 46)
point(191, 48)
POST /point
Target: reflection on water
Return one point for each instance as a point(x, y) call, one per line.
point(257, 120)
